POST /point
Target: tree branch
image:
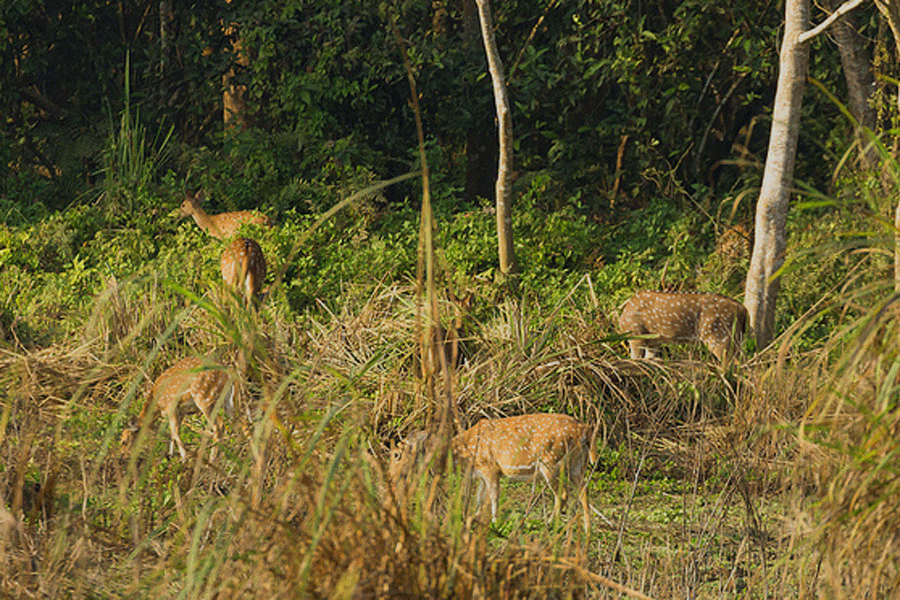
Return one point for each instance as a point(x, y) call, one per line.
point(42, 102)
point(843, 9)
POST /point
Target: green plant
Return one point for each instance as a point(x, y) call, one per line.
point(131, 159)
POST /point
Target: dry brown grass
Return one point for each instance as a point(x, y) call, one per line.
point(849, 441)
point(295, 503)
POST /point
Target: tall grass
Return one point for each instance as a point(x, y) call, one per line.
point(775, 479)
point(847, 434)
point(295, 504)
point(132, 158)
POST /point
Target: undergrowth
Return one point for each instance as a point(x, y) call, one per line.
point(769, 479)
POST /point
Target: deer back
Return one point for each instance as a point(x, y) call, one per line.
point(243, 267)
point(193, 383)
point(516, 446)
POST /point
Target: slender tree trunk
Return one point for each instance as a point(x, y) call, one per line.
point(857, 65)
point(504, 123)
point(890, 10)
point(481, 141)
point(897, 248)
point(234, 103)
point(775, 194)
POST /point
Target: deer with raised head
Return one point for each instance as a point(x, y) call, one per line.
point(223, 225)
point(673, 317)
point(522, 448)
point(243, 268)
point(191, 384)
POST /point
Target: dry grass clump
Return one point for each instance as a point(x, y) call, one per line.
point(340, 536)
point(850, 438)
point(294, 503)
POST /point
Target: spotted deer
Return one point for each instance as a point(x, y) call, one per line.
point(672, 317)
point(223, 225)
point(243, 268)
point(522, 448)
point(734, 244)
point(190, 384)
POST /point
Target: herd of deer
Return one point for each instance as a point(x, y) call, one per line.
point(201, 383)
point(525, 447)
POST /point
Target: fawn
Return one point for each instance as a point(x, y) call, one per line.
point(717, 321)
point(244, 268)
point(190, 384)
point(223, 225)
point(522, 448)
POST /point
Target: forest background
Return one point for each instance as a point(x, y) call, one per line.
point(640, 132)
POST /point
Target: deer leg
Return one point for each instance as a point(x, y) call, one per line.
point(489, 483)
point(209, 413)
point(215, 433)
point(585, 509)
point(576, 477)
point(174, 426)
point(636, 347)
point(479, 494)
point(494, 493)
point(551, 476)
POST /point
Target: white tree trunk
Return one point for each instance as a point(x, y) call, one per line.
point(775, 194)
point(890, 10)
point(897, 248)
point(504, 123)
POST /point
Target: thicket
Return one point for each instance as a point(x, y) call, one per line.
point(640, 131)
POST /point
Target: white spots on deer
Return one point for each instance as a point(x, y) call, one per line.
point(243, 268)
point(222, 226)
point(521, 448)
point(191, 384)
point(673, 317)
point(734, 245)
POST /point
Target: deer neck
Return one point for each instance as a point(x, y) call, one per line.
point(205, 222)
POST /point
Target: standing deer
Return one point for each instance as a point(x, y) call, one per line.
point(190, 384)
point(244, 268)
point(522, 448)
point(223, 225)
point(717, 321)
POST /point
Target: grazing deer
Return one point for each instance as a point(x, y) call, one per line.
point(717, 321)
point(190, 384)
point(522, 448)
point(244, 268)
point(223, 225)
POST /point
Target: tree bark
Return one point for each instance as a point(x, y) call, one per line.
point(897, 248)
point(857, 65)
point(775, 193)
point(234, 102)
point(890, 10)
point(481, 141)
point(504, 124)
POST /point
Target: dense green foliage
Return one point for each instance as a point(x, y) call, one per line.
point(616, 103)
point(660, 92)
point(640, 133)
